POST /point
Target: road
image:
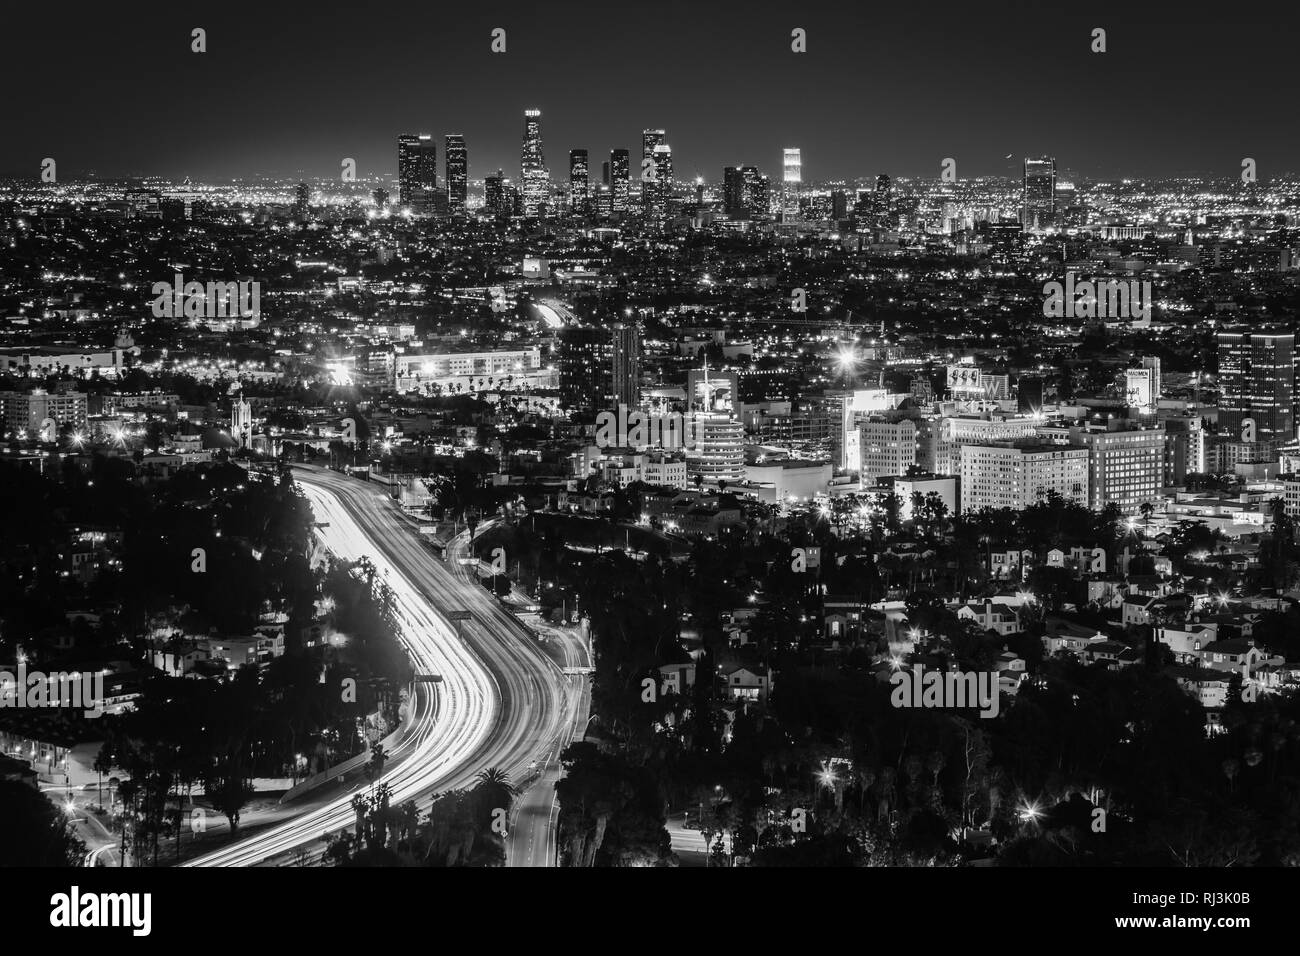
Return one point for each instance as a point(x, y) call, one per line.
point(501, 702)
point(534, 824)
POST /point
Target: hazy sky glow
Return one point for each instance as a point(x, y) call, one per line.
point(291, 89)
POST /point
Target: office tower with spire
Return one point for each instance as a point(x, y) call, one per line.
point(535, 181)
point(619, 181)
point(1038, 195)
point(579, 181)
point(457, 160)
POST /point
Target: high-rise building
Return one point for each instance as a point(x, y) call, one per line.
point(494, 194)
point(791, 183)
point(381, 197)
point(627, 365)
point(744, 195)
point(1256, 386)
point(1038, 198)
point(1125, 465)
point(457, 160)
point(301, 199)
point(882, 204)
point(579, 182)
point(535, 181)
point(886, 448)
point(586, 363)
point(658, 191)
point(651, 138)
point(717, 451)
point(619, 182)
point(1017, 474)
point(417, 171)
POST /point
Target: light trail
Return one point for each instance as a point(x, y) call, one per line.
point(500, 699)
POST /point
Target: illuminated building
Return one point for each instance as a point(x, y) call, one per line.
point(301, 198)
point(417, 171)
point(1038, 196)
point(457, 161)
point(1018, 474)
point(1125, 465)
point(619, 183)
point(791, 180)
point(626, 360)
point(534, 178)
point(586, 362)
point(579, 182)
point(1256, 386)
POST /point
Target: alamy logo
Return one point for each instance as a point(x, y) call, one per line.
point(952, 690)
point(1096, 300)
point(637, 429)
point(75, 909)
point(35, 689)
point(215, 300)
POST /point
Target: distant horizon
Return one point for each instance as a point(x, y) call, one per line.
point(280, 93)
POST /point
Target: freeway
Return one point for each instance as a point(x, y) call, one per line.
point(501, 702)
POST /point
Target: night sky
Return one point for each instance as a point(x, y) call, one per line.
point(290, 89)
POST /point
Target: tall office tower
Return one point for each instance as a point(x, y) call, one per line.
point(760, 193)
point(381, 197)
point(791, 180)
point(839, 205)
point(578, 181)
point(627, 365)
point(658, 191)
point(585, 362)
point(1256, 385)
point(733, 192)
point(535, 180)
point(618, 179)
point(301, 197)
point(1038, 199)
point(604, 173)
point(882, 204)
point(650, 138)
point(417, 171)
point(457, 160)
point(494, 193)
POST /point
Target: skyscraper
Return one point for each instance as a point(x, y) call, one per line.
point(457, 160)
point(417, 171)
point(1038, 199)
point(742, 192)
point(650, 138)
point(578, 181)
point(618, 179)
point(585, 361)
point(791, 180)
point(882, 204)
point(536, 181)
point(627, 365)
point(659, 189)
point(1256, 384)
point(301, 198)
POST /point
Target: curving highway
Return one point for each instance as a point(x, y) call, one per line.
point(501, 702)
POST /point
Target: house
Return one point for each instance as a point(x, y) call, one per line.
point(843, 617)
point(676, 678)
point(1002, 619)
point(1062, 635)
point(747, 682)
point(1136, 611)
point(1110, 653)
point(1209, 687)
point(1239, 654)
point(1011, 672)
point(1187, 640)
